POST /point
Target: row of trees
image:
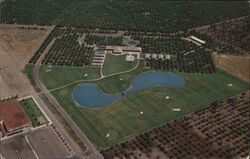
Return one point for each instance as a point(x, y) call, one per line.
point(156, 16)
point(67, 51)
point(55, 32)
point(103, 40)
point(169, 45)
point(8, 99)
point(75, 33)
point(193, 135)
point(233, 34)
point(184, 55)
point(42, 12)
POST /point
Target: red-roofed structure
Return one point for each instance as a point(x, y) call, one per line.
point(13, 118)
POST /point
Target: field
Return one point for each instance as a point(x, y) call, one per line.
point(17, 45)
point(116, 64)
point(122, 15)
point(123, 120)
point(36, 116)
point(25, 40)
point(221, 130)
point(61, 75)
point(237, 65)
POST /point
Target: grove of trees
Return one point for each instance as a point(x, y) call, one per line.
point(103, 40)
point(185, 56)
point(66, 49)
point(220, 130)
point(134, 15)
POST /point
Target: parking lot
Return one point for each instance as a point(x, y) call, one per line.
point(16, 148)
point(43, 143)
point(47, 144)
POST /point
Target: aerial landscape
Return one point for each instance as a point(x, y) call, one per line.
point(113, 79)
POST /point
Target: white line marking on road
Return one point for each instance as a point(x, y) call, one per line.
point(1, 156)
point(31, 147)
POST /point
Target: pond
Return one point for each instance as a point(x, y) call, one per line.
point(91, 96)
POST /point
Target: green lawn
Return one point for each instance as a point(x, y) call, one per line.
point(29, 73)
point(36, 116)
point(115, 64)
point(122, 119)
point(61, 75)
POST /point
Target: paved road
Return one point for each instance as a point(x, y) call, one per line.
point(91, 150)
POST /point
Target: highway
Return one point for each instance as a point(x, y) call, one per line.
point(91, 149)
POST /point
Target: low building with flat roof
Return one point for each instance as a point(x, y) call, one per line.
point(13, 118)
point(120, 50)
point(147, 56)
point(197, 40)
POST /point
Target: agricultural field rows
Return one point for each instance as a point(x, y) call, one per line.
point(234, 33)
point(184, 55)
point(220, 130)
point(65, 49)
point(159, 16)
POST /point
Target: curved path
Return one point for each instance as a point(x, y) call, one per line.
point(92, 80)
point(91, 150)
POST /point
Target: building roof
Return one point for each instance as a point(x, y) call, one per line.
point(13, 115)
point(147, 56)
point(124, 48)
point(154, 55)
point(197, 39)
point(161, 56)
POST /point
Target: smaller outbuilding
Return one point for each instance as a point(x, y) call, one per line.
point(167, 57)
point(154, 56)
point(230, 85)
point(167, 97)
point(176, 109)
point(147, 56)
point(160, 56)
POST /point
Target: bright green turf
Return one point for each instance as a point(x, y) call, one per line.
point(122, 119)
point(33, 112)
point(115, 64)
point(61, 75)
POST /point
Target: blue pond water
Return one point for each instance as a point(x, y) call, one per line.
point(91, 96)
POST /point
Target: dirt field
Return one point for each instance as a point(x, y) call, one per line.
point(24, 40)
point(17, 45)
point(237, 65)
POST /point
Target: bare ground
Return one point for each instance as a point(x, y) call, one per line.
point(16, 47)
point(237, 65)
